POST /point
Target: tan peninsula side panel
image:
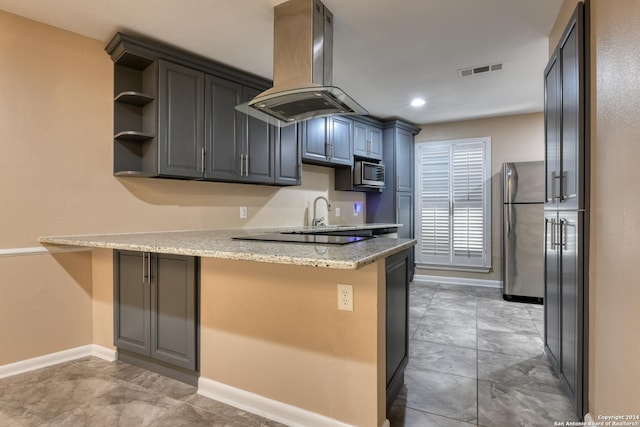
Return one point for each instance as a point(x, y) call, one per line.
point(276, 331)
point(45, 304)
point(102, 275)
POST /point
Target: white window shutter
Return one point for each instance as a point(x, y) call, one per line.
point(453, 203)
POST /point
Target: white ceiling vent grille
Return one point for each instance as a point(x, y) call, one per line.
point(468, 72)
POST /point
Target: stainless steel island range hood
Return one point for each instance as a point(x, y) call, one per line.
point(302, 68)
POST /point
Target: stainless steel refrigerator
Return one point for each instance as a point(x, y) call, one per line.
point(523, 231)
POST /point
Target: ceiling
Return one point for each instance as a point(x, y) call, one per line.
point(385, 52)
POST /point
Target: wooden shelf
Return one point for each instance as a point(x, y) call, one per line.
point(133, 98)
point(132, 135)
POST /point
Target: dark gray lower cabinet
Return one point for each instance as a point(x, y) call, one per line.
point(156, 311)
point(397, 321)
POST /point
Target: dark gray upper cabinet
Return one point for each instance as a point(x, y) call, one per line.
point(404, 175)
point(314, 141)
point(367, 140)
point(238, 148)
point(565, 122)
point(328, 141)
point(288, 158)
point(175, 117)
point(155, 307)
point(340, 140)
point(181, 124)
point(258, 147)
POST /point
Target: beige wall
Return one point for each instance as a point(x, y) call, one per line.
point(615, 209)
point(311, 355)
point(56, 169)
point(513, 139)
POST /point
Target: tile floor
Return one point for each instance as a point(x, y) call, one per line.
point(474, 360)
point(92, 392)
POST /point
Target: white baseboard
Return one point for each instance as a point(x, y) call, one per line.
point(55, 358)
point(265, 407)
point(458, 281)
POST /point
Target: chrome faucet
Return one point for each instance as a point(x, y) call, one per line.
point(319, 221)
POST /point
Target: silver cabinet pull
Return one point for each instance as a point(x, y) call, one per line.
point(202, 159)
point(553, 233)
point(149, 267)
point(241, 164)
point(553, 186)
point(561, 224)
point(144, 268)
point(246, 165)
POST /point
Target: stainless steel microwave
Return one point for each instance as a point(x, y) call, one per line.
point(368, 174)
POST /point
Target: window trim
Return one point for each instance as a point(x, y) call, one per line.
point(487, 218)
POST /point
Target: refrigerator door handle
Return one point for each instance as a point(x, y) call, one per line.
point(510, 199)
point(553, 186)
point(553, 233)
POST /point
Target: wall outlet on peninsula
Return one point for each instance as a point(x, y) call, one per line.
point(345, 297)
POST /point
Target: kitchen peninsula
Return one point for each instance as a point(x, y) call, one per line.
point(272, 339)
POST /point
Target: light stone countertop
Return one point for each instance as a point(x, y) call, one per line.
point(218, 244)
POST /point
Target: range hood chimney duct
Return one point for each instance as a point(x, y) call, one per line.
point(302, 68)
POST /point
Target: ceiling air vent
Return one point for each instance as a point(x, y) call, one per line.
point(468, 72)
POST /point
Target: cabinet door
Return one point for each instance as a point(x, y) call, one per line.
point(288, 156)
point(360, 139)
point(397, 317)
point(404, 215)
point(375, 143)
point(314, 140)
point(367, 141)
point(131, 302)
point(341, 140)
point(571, 57)
point(404, 160)
point(552, 131)
point(223, 129)
point(571, 294)
point(258, 147)
point(552, 301)
point(173, 310)
point(180, 121)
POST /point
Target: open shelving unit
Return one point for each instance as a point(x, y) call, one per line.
point(134, 115)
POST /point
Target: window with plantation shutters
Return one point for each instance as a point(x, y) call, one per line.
point(453, 211)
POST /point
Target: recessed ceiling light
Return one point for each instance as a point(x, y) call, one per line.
point(418, 102)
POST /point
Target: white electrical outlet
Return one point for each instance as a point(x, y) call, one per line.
point(337, 211)
point(243, 212)
point(345, 297)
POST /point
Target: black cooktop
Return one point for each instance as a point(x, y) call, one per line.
point(315, 239)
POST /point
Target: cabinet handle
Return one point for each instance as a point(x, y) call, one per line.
point(369, 147)
point(241, 164)
point(553, 233)
point(149, 267)
point(560, 233)
point(246, 165)
point(202, 160)
point(144, 268)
